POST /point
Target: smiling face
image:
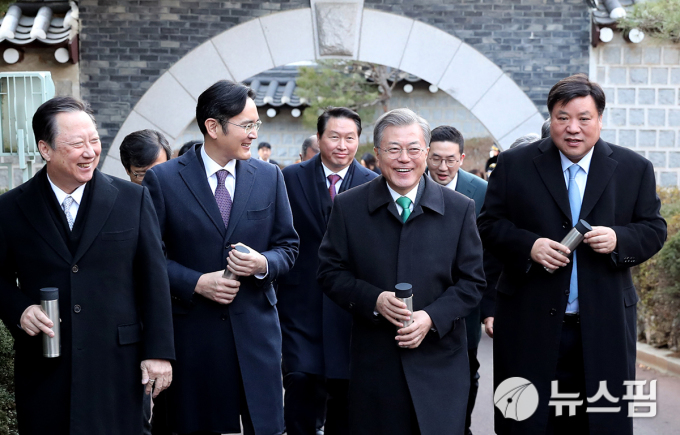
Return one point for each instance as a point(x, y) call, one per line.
point(575, 127)
point(235, 143)
point(338, 144)
point(442, 151)
point(404, 172)
point(76, 154)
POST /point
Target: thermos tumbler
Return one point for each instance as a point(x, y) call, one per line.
point(404, 292)
point(573, 238)
point(49, 302)
point(229, 275)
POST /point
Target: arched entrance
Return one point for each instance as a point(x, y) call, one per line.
point(333, 30)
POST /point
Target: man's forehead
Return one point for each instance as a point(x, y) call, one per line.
point(444, 147)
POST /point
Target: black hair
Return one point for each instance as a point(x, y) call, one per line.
point(142, 148)
point(44, 119)
point(222, 101)
point(264, 145)
point(446, 133)
point(187, 146)
point(337, 112)
point(369, 159)
point(576, 86)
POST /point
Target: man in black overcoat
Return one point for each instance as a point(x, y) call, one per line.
point(96, 239)
point(575, 324)
point(315, 330)
point(403, 227)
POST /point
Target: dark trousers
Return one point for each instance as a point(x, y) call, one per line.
point(570, 375)
point(474, 387)
point(302, 399)
point(160, 424)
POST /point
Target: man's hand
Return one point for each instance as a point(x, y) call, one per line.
point(488, 326)
point(241, 264)
point(546, 253)
point(156, 375)
point(601, 239)
point(392, 308)
point(215, 287)
point(411, 336)
point(34, 321)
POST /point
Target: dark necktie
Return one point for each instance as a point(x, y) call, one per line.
point(333, 178)
point(222, 196)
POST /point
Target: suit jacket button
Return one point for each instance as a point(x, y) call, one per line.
point(76, 309)
point(566, 292)
point(552, 311)
point(223, 317)
point(74, 269)
point(351, 304)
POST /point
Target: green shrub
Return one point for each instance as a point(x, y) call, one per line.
point(8, 414)
point(658, 282)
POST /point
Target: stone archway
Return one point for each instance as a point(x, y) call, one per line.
point(333, 29)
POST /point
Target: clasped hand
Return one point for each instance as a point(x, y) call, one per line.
point(395, 311)
point(550, 254)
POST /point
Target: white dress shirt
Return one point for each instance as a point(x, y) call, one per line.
point(581, 178)
point(77, 196)
point(341, 173)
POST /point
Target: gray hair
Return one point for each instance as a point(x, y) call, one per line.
point(525, 140)
point(545, 129)
point(400, 118)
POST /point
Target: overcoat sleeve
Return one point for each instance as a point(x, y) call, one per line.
point(284, 243)
point(508, 243)
point(151, 281)
point(337, 281)
point(645, 235)
point(458, 300)
point(183, 280)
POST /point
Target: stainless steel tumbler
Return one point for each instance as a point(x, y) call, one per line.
point(404, 292)
point(49, 302)
point(573, 238)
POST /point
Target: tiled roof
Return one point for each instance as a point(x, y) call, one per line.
point(276, 87)
point(50, 25)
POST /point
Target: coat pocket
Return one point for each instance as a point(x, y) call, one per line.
point(119, 235)
point(129, 334)
point(260, 214)
point(630, 296)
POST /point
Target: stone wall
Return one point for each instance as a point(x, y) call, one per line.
point(126, 46)
point(641, 83)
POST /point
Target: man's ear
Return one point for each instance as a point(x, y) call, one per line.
point(45, 150)
point(211, 126)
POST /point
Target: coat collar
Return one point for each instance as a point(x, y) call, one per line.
point(464, 184)
point(432, 198)
point(34, 205)
point(549, 167)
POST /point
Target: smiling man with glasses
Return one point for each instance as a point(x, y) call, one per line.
point(227, 332)
point(403, 227)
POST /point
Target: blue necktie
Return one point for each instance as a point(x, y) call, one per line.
point(575, 206)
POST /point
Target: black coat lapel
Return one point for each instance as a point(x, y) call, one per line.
point(194, 177)
point(308, 177)
point(245, 178)
point(549, 167)
point(379, 195)
point(35, 207)
point(601, 171)
point(102, 198)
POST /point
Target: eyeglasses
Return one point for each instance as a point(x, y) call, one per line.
point(395, 152)
point(450, 162)
point(248, 127)
point(139, 175)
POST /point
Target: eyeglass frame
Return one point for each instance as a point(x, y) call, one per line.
point(138, 175)
point(248, 127)
point(446, 160)
point(394, 156)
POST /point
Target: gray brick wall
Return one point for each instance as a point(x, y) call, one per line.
point(127, 45)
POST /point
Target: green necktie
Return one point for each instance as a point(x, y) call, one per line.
point(404, 203)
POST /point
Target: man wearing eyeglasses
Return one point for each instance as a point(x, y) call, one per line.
point(141, 151)
point(444, 164)
point(403, 227)
point(227, 332)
